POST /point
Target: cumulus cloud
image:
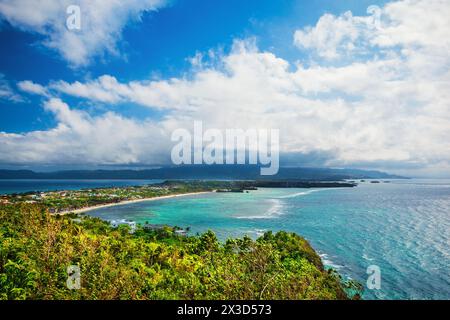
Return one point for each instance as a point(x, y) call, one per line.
point(331, 37)
point(406, 24)
point(82, 139)
point(386, 109)
point(33, 88)
point(102, 23)
point(7, 92)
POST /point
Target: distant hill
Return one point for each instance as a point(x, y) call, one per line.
point(223, 172)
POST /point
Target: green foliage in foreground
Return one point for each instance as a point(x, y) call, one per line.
point(36, 249)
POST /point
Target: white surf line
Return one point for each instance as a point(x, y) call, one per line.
point(304, 193)
point(82, 210)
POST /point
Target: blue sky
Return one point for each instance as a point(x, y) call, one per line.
point(159, 46)
point(149, 46)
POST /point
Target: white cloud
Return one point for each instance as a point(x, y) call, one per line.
point(102, 23)
point(389, 109)
point(82, 139)
point(33, 88)
point(331, 36)
point(405, 24)
point(7, 92)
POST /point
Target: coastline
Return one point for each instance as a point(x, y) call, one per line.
point(87, 209)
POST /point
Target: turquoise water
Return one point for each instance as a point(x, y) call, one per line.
point(27, 185)
point(403, 227)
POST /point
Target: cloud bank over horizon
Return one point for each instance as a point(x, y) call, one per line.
point(373, 92)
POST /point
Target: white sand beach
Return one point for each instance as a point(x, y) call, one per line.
point(86, 209)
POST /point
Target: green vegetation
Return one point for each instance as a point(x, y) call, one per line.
point(67, 200)
point(36, 248)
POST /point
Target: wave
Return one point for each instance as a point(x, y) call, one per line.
point(275, 210)
point(257, 232)
point(298, 194)
point(327, 262)
point(366, 257)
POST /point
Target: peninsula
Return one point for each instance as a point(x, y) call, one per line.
point(78, 201)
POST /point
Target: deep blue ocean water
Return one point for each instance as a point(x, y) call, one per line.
point(20, 186)
point(403, 227)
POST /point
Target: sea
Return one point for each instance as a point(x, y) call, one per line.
point(402, 227)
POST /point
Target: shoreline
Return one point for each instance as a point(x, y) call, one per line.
point(107, 205)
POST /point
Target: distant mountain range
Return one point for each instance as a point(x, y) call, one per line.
point(222, 172)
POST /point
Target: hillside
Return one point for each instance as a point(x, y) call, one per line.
point(227, 172)
point(36, 249)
